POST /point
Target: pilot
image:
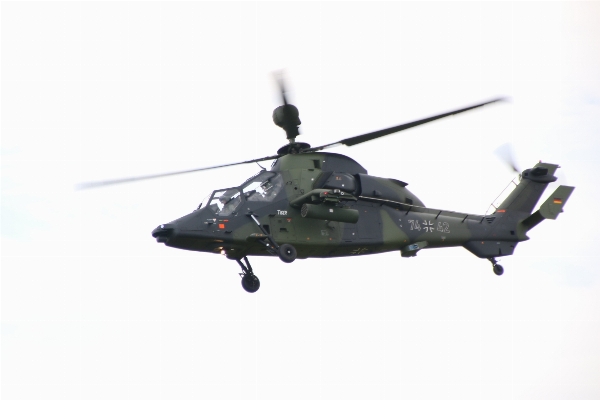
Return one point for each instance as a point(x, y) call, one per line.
point(223, 200)
point(229, 204)
point(268, 190)
point(261, 194)
point(266, 186)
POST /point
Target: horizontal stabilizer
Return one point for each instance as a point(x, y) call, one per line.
point(550, 208)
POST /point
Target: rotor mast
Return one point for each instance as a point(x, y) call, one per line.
point(287, 117)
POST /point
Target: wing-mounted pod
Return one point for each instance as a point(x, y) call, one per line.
point(325, 201)
point(329, 213)
point(324, 204)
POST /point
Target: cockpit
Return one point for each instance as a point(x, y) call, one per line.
point(263, 187)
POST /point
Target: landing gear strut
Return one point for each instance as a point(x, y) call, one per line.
point(498, 269)
point(250, 282)
point(286, 252)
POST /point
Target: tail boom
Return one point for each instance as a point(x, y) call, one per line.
point(514, 217)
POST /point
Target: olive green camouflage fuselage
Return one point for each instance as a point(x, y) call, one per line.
point(326, 205)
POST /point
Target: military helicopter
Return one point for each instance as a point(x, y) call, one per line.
point(316, 204)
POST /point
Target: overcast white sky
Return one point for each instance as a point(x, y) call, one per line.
point(93, 307)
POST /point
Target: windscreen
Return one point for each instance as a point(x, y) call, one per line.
point(225, 201)
point(263, 187)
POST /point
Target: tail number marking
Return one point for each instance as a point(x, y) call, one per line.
point(414, 225)
point(428, 226)
point(443, 227)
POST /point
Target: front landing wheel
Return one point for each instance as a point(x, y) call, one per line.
point(250, 283)
point(498, 270)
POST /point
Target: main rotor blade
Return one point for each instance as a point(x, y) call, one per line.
point(278, 75)
point(90, 185)
point(377, 134)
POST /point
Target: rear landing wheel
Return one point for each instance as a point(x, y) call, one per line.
point(287, 253)
point(250, 283)
point(498, 270)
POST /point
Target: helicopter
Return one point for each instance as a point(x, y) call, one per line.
point(318, 204)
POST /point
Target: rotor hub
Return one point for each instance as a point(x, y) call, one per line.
point(287, 118)
point(293, 148)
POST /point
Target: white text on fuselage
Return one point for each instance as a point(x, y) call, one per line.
point(428, 226)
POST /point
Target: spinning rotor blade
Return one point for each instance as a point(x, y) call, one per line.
point(90, 185)
point(377, 134)
point(280, 82)
point(505, 152)
point(286, 116)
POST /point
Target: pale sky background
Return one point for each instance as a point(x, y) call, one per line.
point(92, 307)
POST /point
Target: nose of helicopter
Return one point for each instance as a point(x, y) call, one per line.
point(163, 232)
point(187, 232)
point(183, 226)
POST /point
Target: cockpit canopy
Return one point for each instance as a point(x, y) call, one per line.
point(263, 187)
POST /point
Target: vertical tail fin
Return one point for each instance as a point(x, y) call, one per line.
point(513, 218)
point(528, 192)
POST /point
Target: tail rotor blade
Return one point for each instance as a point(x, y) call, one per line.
point(506, 154)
